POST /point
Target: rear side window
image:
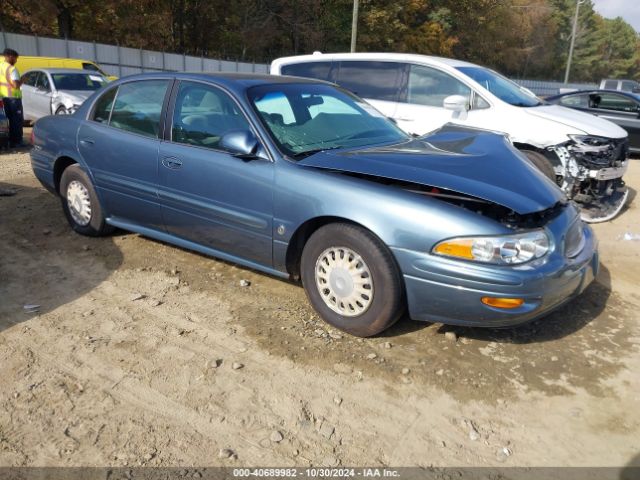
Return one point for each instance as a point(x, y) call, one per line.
point(93, 67)
point(611, 85)
point(373, 80)
point(318, 70)
point(138, 107)
point(102, 110)
point(428, 86)
point(90, 66)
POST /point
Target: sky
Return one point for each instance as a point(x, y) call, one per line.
point(627, 9)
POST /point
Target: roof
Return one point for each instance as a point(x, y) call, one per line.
point(380, 56)
point(230, 80)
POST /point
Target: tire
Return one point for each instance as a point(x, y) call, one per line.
point(62, 111)
point(363, 314)
point(80, 203)
point(541, 163)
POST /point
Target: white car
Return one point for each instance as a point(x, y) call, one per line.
point(586, 155)
point(57, 91)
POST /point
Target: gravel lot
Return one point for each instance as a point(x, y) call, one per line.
point(145, 354)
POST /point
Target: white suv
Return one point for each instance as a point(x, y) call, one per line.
point(584, 154)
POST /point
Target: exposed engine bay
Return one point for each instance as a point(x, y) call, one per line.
point(589, 170)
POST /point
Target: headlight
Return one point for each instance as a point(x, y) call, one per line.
point(504, 250)
point(591, 142)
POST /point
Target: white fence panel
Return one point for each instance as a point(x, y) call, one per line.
point(107, 55)
point(173, 61)
point(193, 64)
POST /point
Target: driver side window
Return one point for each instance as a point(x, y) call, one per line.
point(203, 114)
point(43, 82)
point(428, 86)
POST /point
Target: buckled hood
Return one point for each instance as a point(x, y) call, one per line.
point(469, 161)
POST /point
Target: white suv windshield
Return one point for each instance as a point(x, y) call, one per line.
point(501, 87)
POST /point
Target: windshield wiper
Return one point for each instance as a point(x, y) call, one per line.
point(308, 153)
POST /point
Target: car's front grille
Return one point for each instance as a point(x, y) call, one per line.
point(612, 154)
point(574, 240)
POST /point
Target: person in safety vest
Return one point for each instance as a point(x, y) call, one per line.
point(12, 96)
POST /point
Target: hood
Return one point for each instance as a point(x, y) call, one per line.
point(74, 96)
point(473, 162)
point(581, 121)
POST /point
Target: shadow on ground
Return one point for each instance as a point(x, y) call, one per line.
point(43, 262)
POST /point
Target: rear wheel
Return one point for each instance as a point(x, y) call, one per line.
point(352, 280)
point(542, 163)
point(80, 203)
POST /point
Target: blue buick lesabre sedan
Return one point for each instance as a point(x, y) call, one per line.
point(301, 179)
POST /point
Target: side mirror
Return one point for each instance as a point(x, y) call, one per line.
point(458, 104)
point(241, 144)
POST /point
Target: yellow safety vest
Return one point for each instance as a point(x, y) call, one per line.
point(7, 87)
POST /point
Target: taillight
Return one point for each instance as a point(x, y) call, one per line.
point(33, 137)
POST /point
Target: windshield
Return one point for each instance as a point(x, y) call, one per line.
point(503, 88)
point(306, 118)
point(78, 81)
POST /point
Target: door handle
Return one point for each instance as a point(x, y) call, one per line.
point(87, 141)
point(172, 162)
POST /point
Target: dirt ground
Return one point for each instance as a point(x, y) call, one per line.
point(132, 356)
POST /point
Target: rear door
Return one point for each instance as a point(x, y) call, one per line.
point(209, 196)
point(120, 143)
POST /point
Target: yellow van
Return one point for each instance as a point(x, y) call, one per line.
point(28, 63)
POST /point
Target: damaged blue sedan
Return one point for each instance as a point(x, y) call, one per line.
point(300, 179)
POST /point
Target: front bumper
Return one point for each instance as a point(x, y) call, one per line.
point(609, 173)
point(450, 291)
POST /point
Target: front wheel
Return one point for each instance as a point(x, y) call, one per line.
point(352, 279)
point(80, 203)
point(541, 163)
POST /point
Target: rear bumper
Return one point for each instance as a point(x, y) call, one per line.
point(450, 292)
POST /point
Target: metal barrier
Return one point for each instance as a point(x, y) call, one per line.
point(121, 61)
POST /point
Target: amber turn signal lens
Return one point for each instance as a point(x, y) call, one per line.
point(461, 249)
point(503, 302)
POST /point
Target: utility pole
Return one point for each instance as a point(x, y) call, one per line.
point(354, 26)
point(573, 40)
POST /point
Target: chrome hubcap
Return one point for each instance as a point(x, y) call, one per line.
point(344, 281)
point(79, 203)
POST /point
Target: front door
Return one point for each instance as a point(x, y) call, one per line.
point(618, 109)
point(421, 109)
point(120, 144)
point(209, 196)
